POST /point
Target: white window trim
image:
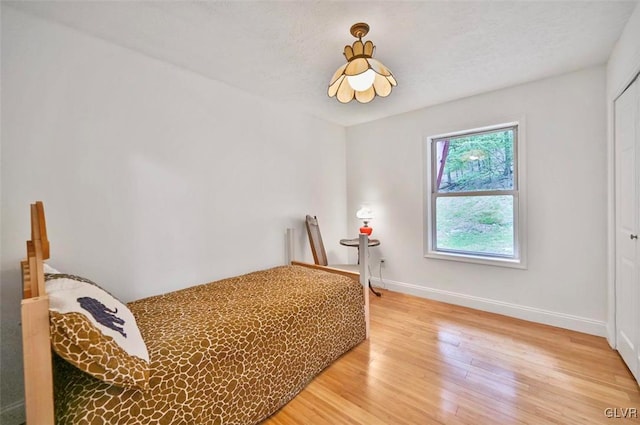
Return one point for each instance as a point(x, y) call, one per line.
point(520, 203)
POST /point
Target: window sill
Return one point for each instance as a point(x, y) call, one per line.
point(514, 263)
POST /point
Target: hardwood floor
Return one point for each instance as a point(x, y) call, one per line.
point(434, 363)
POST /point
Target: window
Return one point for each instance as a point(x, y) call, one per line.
point(474, 196)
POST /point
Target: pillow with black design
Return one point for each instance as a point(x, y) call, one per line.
point(96, 332)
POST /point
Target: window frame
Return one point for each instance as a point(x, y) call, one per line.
point(518, 192)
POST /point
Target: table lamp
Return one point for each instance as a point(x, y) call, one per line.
point(365, 214)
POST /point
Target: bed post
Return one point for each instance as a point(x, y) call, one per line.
point(364, 276)
point(36, 346)
point(289, 246)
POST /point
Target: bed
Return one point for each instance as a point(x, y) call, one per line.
point(227, 352)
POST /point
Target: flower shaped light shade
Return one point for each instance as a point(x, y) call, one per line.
point(362, 77)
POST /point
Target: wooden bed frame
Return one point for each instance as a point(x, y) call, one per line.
point(36, 346)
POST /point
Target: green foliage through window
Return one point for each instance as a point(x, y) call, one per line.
point(475, 162)
point(480, 224)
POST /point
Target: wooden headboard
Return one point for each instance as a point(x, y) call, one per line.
point(36, 348)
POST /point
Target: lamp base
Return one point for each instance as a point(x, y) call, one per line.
point(366, 230)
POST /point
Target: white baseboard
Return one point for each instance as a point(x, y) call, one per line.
point(532, 314)
point(13, 414)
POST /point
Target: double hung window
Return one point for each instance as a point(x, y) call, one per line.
point(474, 197)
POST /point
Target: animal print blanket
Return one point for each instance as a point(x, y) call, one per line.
point(228, 352)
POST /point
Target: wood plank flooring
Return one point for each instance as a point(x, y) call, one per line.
point(434, 363)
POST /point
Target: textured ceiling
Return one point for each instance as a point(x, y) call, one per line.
point(287, 51)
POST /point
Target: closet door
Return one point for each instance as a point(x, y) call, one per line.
point(627, 131)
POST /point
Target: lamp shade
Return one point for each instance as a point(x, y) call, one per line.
point(364, 213)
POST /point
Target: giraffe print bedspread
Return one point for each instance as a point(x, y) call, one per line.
point(227, 352)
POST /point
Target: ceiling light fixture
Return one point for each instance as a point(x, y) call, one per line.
point(362, 76)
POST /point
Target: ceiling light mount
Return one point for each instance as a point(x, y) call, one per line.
point(359, 30)
point(362, 77)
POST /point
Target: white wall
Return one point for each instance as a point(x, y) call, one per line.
point(154, 178)
point(623, 65)
point(565, 135)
